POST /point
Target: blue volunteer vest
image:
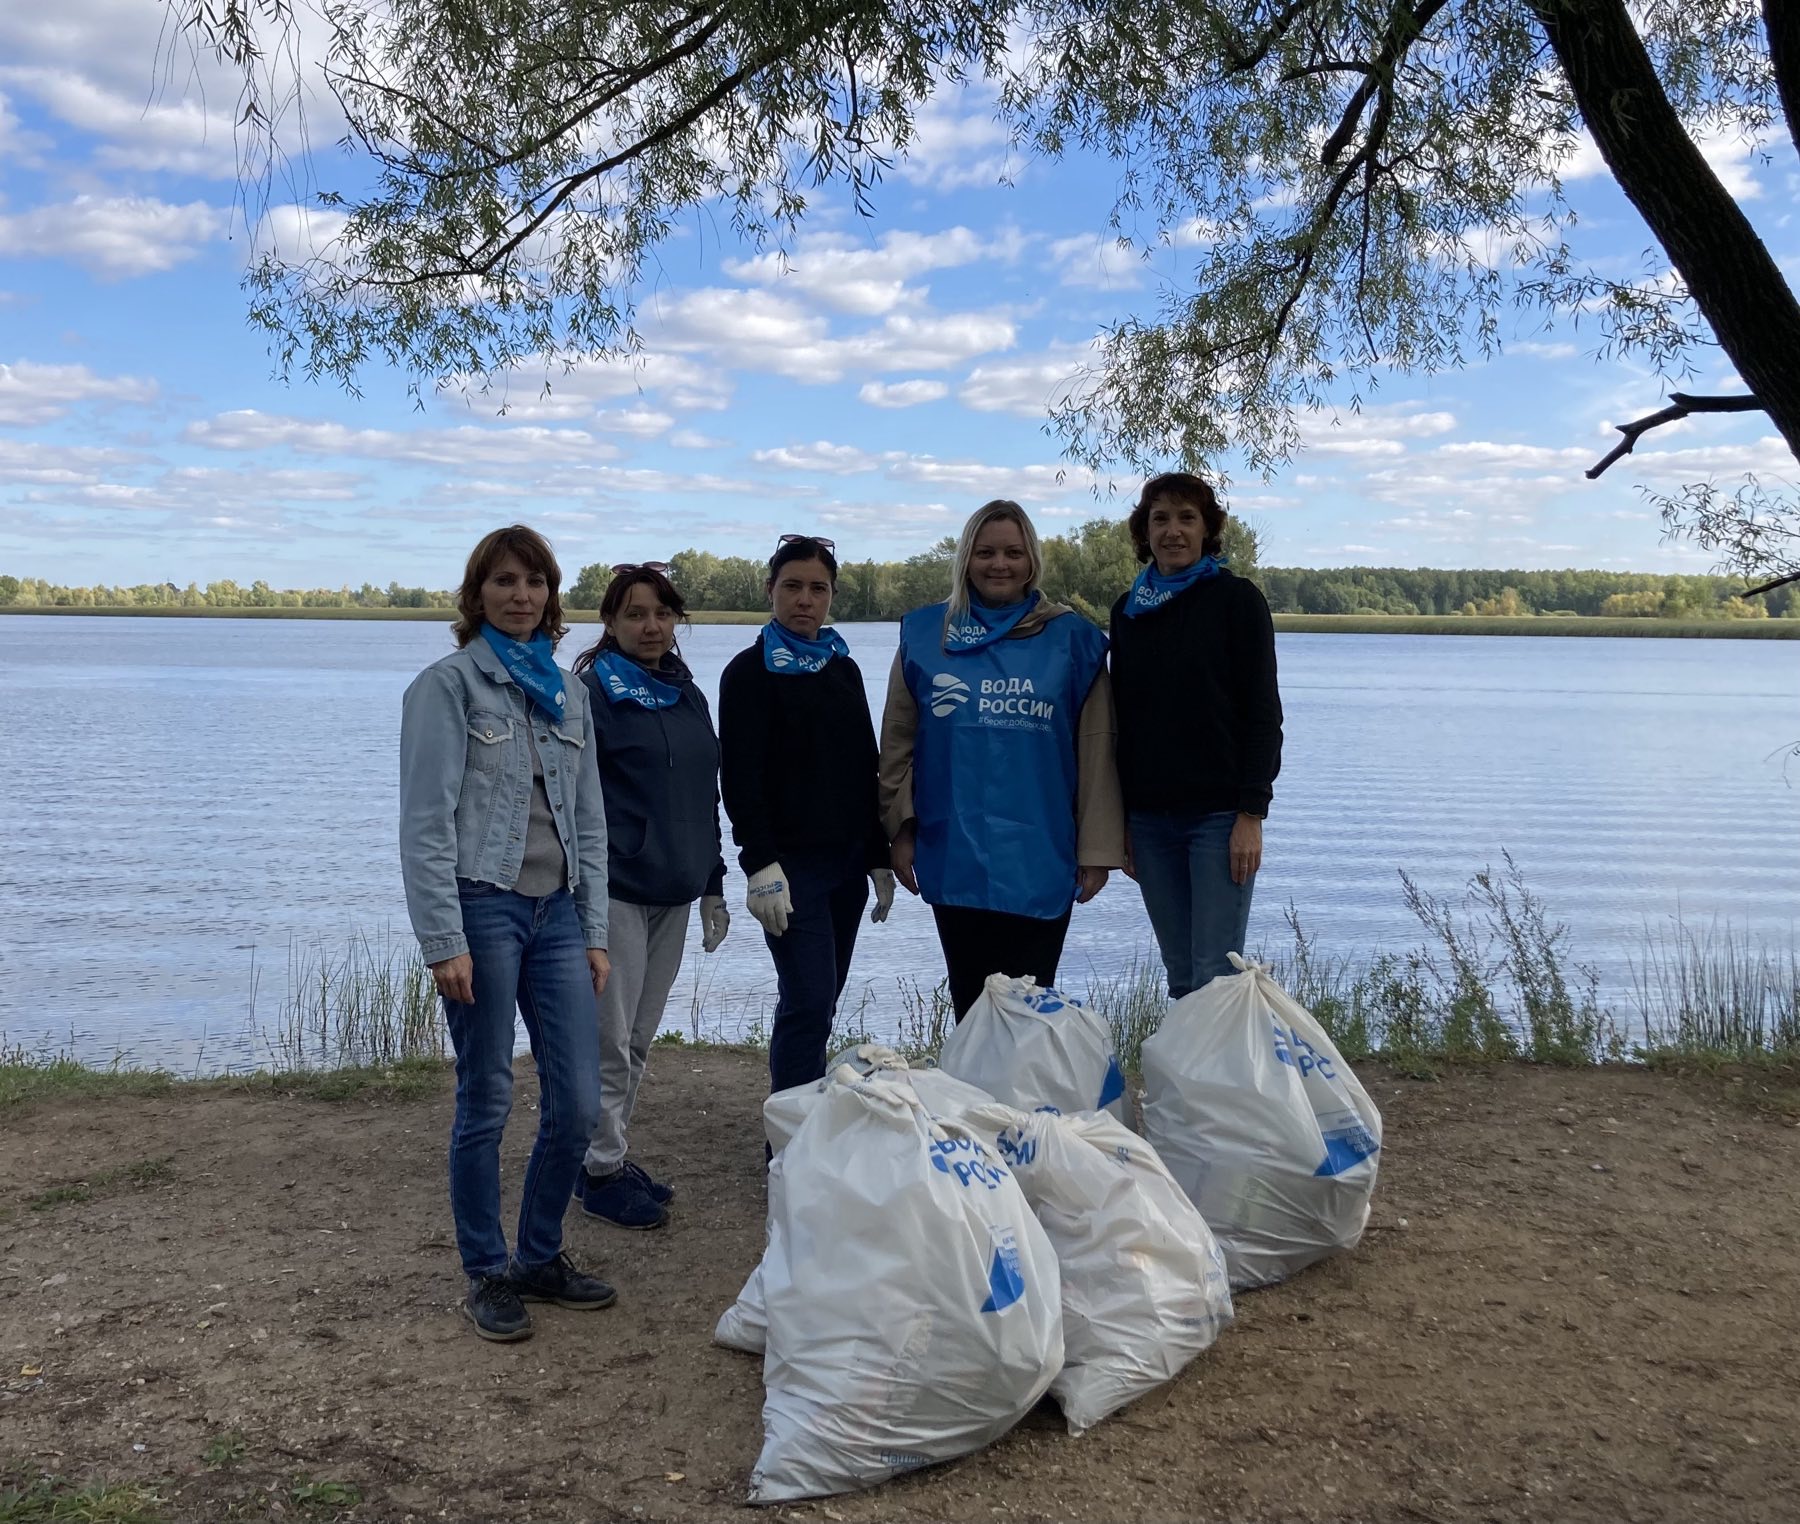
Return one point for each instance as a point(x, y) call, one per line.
point(994, 762)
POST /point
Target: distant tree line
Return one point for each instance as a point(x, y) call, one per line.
point(1087, 568)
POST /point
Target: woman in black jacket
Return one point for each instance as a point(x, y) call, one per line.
point(1193, 669)
point(798, 777)
point(659, 775)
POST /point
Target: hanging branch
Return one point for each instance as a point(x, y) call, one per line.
point(1680, 405)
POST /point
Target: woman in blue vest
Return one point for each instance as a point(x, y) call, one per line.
point(1193, 666)
point(998, 785)
point(659, 774)
point(503, 854)
point(798, 777)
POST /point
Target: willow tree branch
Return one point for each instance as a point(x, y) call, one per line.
point(1680, 405)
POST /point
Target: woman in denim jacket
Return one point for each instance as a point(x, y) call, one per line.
point(503, 847)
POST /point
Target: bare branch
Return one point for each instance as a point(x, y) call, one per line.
point(1680, 405)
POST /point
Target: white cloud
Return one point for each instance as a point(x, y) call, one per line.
point(1543, 351)
point(639, 422)
point(175, 136)
point(114, 237)
point(19, 147)
point(520, 445)
point(1098, 260)
point(901, 393)
point(972, 479)
point(29, 461)
point(693, 439)
point(954, 149)
point(1030, 386)
point(838, 272)
point(759, 331)
point(838, 460)
point(1732, 157)
point(31, 393)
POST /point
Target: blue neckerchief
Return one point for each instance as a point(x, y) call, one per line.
point(1152, 589)
point(532, 665)
point(983, 625)
point(623, 681)
point(784, 651)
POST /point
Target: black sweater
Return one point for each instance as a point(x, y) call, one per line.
point(797, 767)
point(1199, 711)
point(659, 776)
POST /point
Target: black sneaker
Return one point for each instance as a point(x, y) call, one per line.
point(560, 1282)
point(661, 1194)
point(620, 1198)
point(493, 1306)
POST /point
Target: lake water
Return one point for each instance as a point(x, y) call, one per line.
point(184, 799)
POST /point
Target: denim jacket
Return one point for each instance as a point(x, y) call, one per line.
point(466, 730)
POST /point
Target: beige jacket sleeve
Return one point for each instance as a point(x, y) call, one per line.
point(899, 725)
point(1099, 805)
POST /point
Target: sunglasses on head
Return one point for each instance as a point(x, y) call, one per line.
point(630, 566)
point(806, 539)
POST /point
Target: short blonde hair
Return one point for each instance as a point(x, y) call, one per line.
point(1000, 509)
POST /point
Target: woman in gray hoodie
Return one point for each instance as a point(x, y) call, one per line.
point(658, 759)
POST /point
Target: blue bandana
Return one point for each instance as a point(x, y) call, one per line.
point(1152, 590)
point(983, 625)
point(784, 651)
point(532, 665)
point(623, 681)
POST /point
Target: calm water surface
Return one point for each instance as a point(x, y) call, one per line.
point(184, 799)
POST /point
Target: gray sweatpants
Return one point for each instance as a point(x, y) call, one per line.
point(644, 944)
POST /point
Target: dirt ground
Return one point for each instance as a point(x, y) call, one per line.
point(1575, 1301)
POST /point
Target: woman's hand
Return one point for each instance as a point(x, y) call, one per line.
point(1091, 882)
point(900, 854)
point(599, 969)
point(455, 978)
point(1245, 848)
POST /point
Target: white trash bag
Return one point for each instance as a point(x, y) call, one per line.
point(1258, 1116)
point(744, 1325)
point(913, 1302)
point(1030, 1047)
point(1143, 1281)
point(943, 1094)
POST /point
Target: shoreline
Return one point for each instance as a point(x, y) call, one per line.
point(1585, 626)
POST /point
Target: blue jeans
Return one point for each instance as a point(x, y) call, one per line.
point(1183, 867)
point(529, 956)
point(812, 959)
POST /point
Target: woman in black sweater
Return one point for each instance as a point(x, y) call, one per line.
point(797, 775)
point(1193, 669)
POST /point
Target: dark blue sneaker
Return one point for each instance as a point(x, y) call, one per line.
point(661, 1194)
point(559, 1282)
point(621, 1199)
point(493, 1306)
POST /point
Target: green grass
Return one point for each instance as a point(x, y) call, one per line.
point(54, 1500)
point(224, 1450)
point(106, 1182)
point(1537, 624)
point(323, 1496)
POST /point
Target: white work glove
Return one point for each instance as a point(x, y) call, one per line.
point(768, 899)
point(884, 895)
point(715, 921)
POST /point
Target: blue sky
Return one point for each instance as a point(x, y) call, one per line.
point(889, 381)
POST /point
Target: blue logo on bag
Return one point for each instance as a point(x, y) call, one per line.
point(1113, 1086)
point(1006, 1279)
point(1345, 1148)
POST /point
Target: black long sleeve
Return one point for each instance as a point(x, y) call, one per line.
point(797, 760)
point(1198, 702)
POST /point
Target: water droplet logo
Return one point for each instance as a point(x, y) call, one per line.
point(782, 657)
point(948, 694)
point(617, 684)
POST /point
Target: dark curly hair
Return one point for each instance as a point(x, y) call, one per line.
point(532, 549)
point(1186, 488)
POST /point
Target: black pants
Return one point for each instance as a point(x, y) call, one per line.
point(982, 942)
point(812, 959)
